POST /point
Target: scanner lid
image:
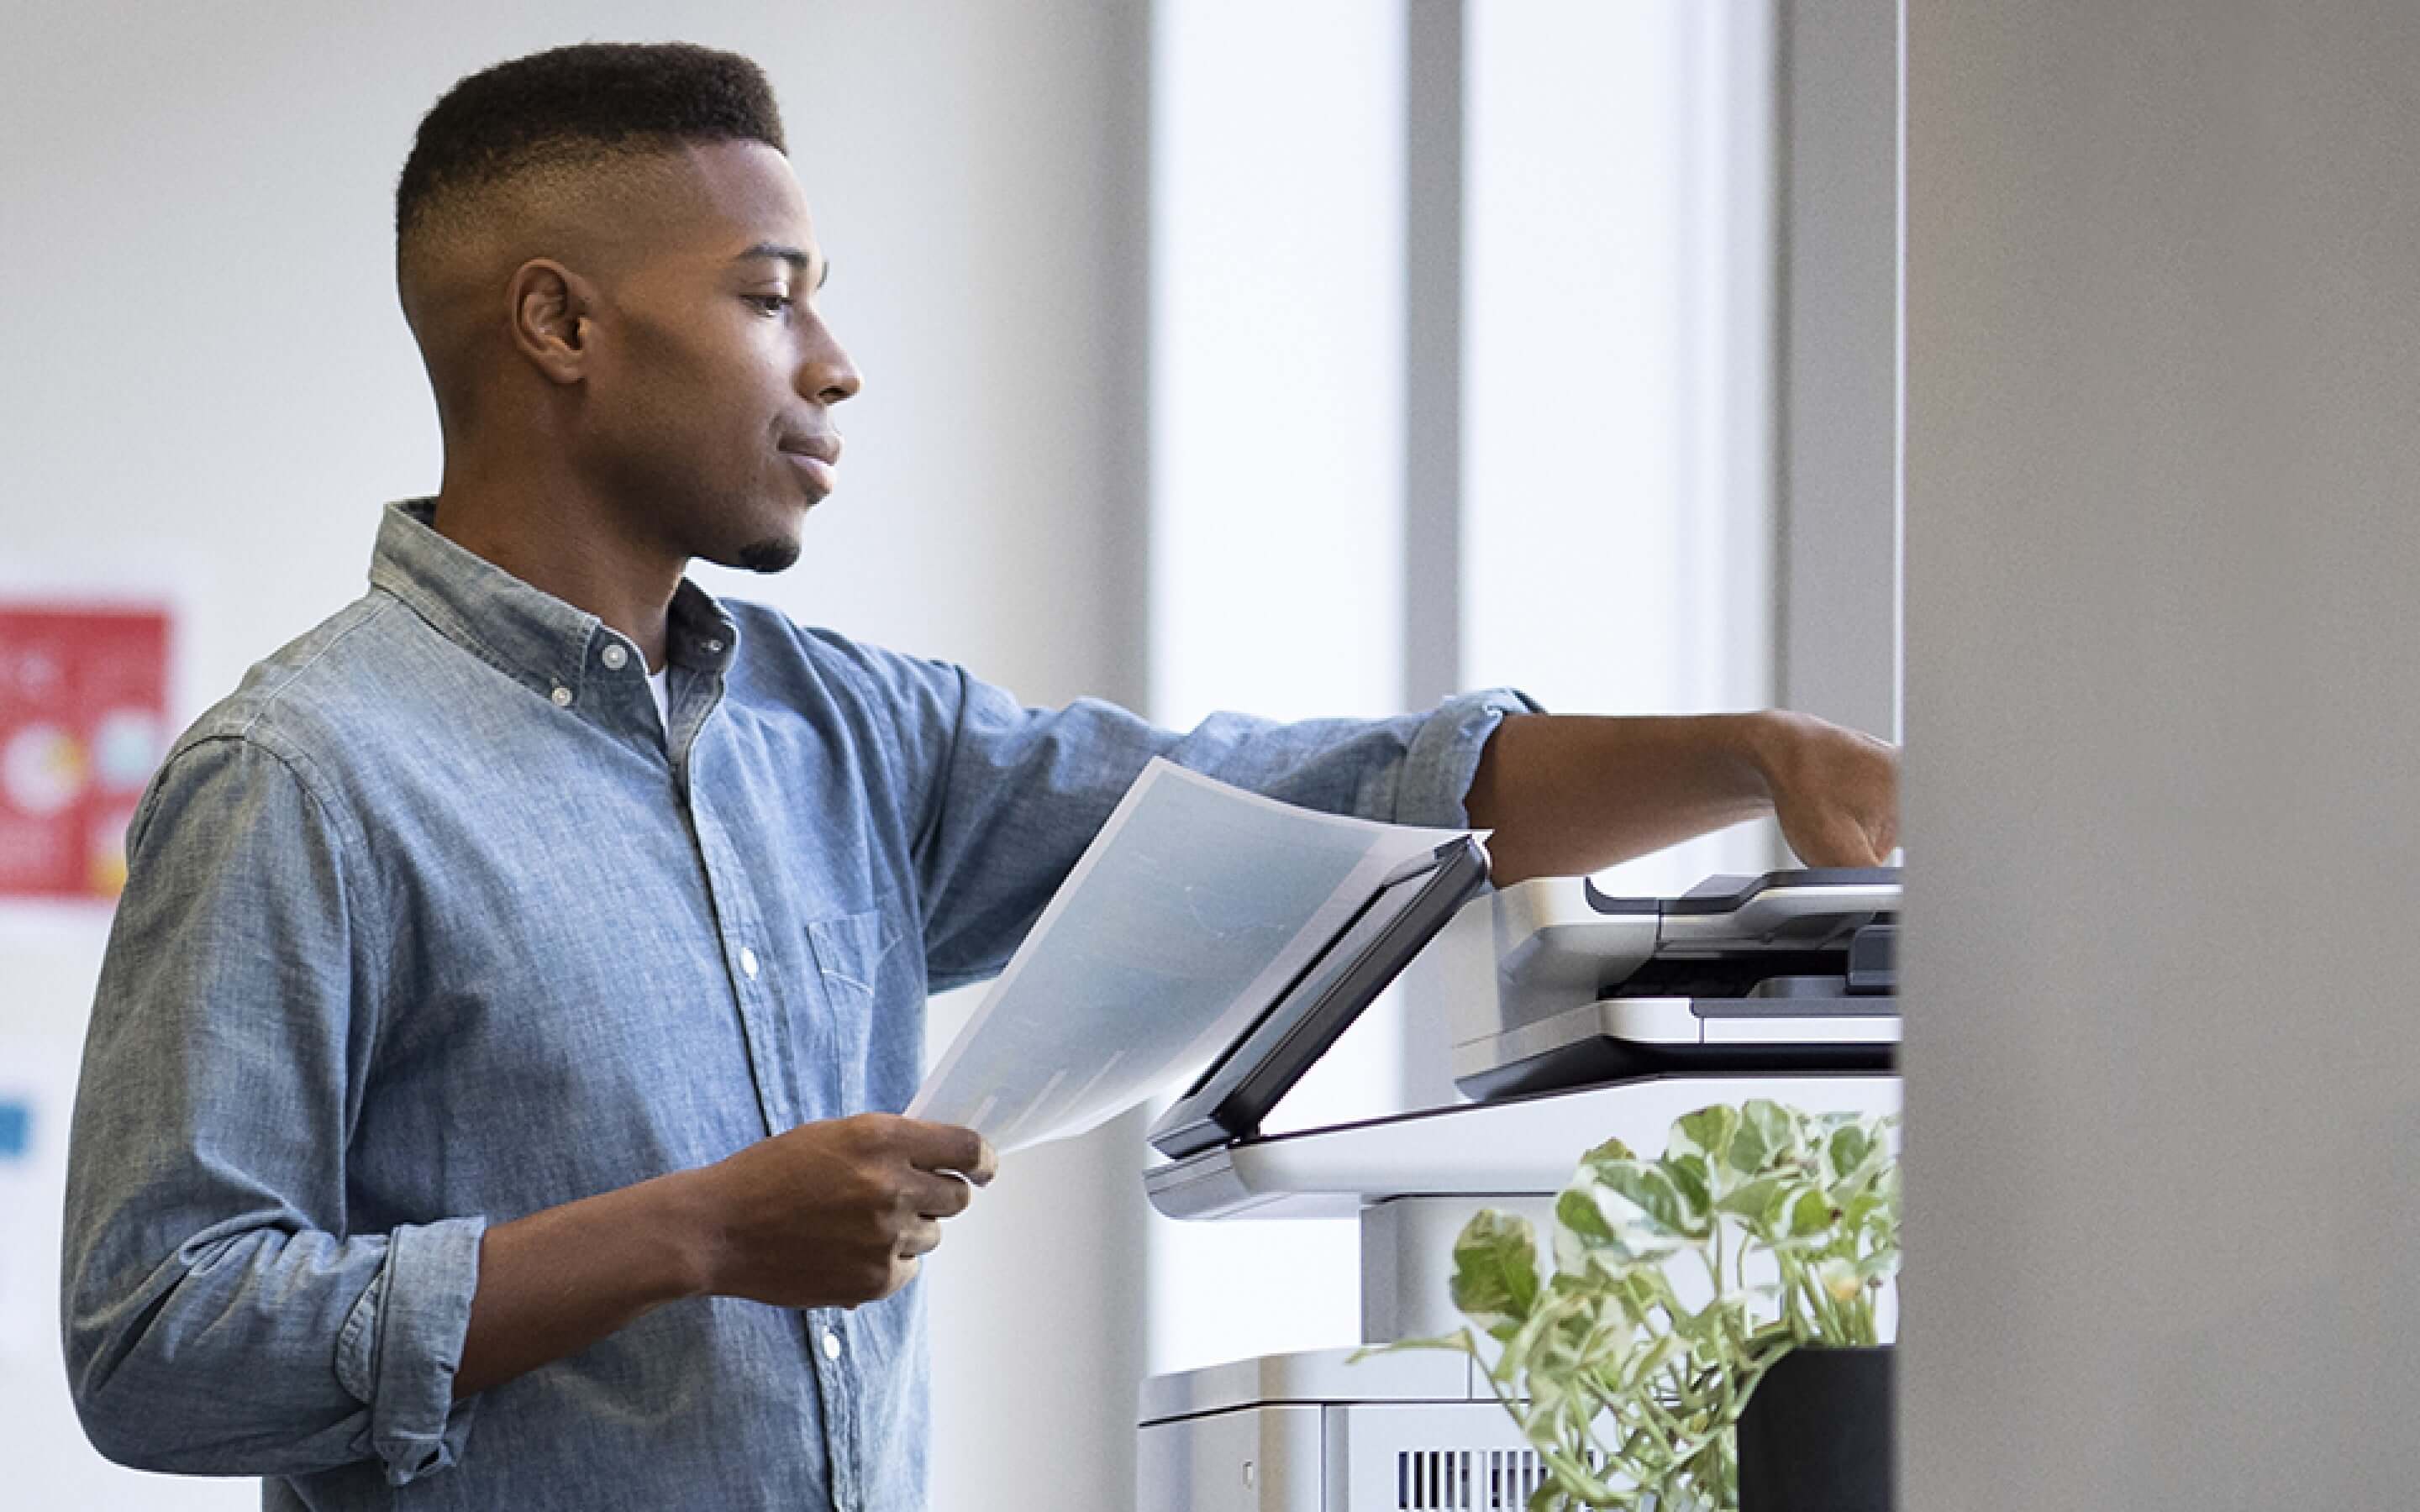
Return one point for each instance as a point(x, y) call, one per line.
point(1289, 1036)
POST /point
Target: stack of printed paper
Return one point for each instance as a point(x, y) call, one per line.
point(1195, 906)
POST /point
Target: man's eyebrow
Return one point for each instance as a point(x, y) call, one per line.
point(797, 258)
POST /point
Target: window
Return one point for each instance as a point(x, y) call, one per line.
point(1608, 396)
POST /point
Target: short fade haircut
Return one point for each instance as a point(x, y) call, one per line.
point(574, 107)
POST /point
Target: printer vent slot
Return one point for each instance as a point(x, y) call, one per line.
point(1468, 1480)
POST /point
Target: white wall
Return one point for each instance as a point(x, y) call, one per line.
point(2163, 705)
point(203, 379)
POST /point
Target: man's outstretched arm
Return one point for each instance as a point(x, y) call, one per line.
point(1568, 794)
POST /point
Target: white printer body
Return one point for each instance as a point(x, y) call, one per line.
point(1577, 1018)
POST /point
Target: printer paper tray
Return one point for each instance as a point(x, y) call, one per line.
point(1623, 1039)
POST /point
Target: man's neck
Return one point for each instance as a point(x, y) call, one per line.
point(563, 544)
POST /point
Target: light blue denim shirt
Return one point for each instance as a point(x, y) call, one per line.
point(431, 925)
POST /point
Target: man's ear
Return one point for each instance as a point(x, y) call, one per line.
point(550, 318)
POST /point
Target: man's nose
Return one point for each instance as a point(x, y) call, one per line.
point(826, 374)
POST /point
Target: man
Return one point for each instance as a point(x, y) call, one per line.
point(484, 1105)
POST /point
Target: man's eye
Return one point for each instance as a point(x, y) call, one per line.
point(768, 303)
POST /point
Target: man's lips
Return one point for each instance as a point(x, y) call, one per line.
point(818, 461)
point(818, 472)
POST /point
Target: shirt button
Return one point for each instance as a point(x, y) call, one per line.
point(714, 646)
point(748, 964)
point(615, 657)
point(562, 696)
point(831, 1344)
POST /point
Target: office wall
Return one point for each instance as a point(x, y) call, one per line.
point(2164, 808)
point(1836, 298)
point(204, 386)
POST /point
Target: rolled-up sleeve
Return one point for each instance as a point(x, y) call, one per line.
point(1015, 794)
point(219, 1318)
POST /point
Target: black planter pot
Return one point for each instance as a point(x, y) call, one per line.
point(1817, 1436)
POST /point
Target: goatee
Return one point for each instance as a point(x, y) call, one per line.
point(769, 556)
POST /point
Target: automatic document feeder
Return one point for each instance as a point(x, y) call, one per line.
point(1558, 985)
point(1575, 1017)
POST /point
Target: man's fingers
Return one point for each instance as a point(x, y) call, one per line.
point(1885, 839)
point(945, 1147)
point(1839, 840)
point(1861, 845)
point(1877, 848)
point(923, 1237)
point(1839, 801)
point(940, 1196)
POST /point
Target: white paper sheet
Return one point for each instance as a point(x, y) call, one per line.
point(1194, 906)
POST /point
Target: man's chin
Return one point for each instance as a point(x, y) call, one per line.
point(775, 554)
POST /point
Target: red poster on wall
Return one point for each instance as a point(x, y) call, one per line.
point(83, 716)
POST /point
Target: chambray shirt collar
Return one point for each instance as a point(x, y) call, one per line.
point(555, 649)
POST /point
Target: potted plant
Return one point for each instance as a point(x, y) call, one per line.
point(1677, 1283)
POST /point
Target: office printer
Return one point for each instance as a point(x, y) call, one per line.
point(1577, 1017)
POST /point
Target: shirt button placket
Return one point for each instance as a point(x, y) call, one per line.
point(765, 1036)
point(766, 1041)
point(840, 1419)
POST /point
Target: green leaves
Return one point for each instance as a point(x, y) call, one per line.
point(1850, 1148)
point(1640, 1208)
point(1496, 1272)
point(1706, 1134)
point(1769, 1137)
point(1784, 1224)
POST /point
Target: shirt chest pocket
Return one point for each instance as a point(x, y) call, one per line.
point(844, 993)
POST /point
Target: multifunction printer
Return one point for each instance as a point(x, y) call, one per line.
point(1577, 1017)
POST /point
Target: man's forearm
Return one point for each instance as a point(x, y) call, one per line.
point(1568, 794)
point(833, 1213)
point(558, 1281)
